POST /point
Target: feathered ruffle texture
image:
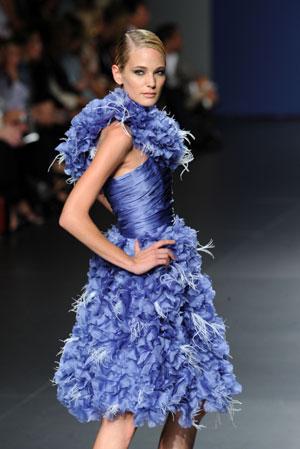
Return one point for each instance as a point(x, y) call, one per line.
point(152, 130)
point(150, 344)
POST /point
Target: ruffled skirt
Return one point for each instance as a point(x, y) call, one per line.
point(149, 344)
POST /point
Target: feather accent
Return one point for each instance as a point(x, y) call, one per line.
point(190, 353)
point(111, 411)
point(204, 328)
point(198, 426)
point(98, 355)
point(137, 328)
point(84, 299)
point(159, 310)
point(206, 248)
point(151, 129)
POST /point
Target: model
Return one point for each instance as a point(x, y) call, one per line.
point(147, 343)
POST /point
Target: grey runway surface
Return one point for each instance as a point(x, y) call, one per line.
point(247, 198)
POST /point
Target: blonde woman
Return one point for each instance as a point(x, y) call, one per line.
point(147, 344)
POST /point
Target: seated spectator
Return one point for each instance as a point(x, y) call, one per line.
point(73, 39)
point(14, 185)
point(92, 20)
point(52, 103)
point(190, 97)
point(14, 93)
point(10, 21)
point(46, 80)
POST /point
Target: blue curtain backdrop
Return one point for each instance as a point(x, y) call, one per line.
point(256, 56)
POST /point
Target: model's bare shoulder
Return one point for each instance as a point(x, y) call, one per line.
point(116, 130)
point(113, 147)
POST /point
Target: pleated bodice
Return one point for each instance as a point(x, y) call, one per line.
point(142, 199)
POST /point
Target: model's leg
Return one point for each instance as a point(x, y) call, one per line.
point(174, 436)
point(116, 433)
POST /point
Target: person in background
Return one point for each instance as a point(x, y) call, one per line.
point(92, 21)
point(138, 14)
point(52, 102)
point(14, 93)
point(10, 21)
point(72, 38)
point(190, 97)
point(14, 185)
point(49, 88)
point(114, 24)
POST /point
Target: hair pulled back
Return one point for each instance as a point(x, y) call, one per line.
point(136, 39)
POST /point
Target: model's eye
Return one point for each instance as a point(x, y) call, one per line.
point(161, 72)
point(139, 72)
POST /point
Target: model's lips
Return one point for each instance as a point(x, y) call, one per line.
point(150, 94)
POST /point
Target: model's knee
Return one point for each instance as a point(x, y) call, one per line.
point(122, 423)
point(129, 424)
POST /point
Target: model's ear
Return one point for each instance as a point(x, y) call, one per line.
point(117, 74)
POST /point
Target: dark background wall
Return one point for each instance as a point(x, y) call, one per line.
point(256, 48)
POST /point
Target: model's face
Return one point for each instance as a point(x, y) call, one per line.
point(143, 76)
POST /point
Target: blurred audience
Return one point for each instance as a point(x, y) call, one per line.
point(81, 62)
point(14, 185)
point(55, 56)
point(10, 21)
point(190, 97)
point(47, 81)
point(114, 24)
point(14, 94)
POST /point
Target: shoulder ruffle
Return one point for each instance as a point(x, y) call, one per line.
point(152, 131)
point(162, 138)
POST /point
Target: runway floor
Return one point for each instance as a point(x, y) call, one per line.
point(245, 197)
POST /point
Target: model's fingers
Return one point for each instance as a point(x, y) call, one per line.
point(137, 248)
point(167, 252)
point(171, 255)
point(163, 243)
point(163, 260)
point(165, 255)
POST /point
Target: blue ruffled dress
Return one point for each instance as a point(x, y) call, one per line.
point(151, 343)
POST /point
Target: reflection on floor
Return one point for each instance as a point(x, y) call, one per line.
point(246, 197)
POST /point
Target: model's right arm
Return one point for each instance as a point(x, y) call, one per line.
point(75, 217)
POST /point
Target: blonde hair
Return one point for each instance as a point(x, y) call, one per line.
point(136, 39)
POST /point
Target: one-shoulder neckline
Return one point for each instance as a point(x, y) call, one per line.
point(139, 167)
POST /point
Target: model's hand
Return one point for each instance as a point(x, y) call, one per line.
point(152, 256)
